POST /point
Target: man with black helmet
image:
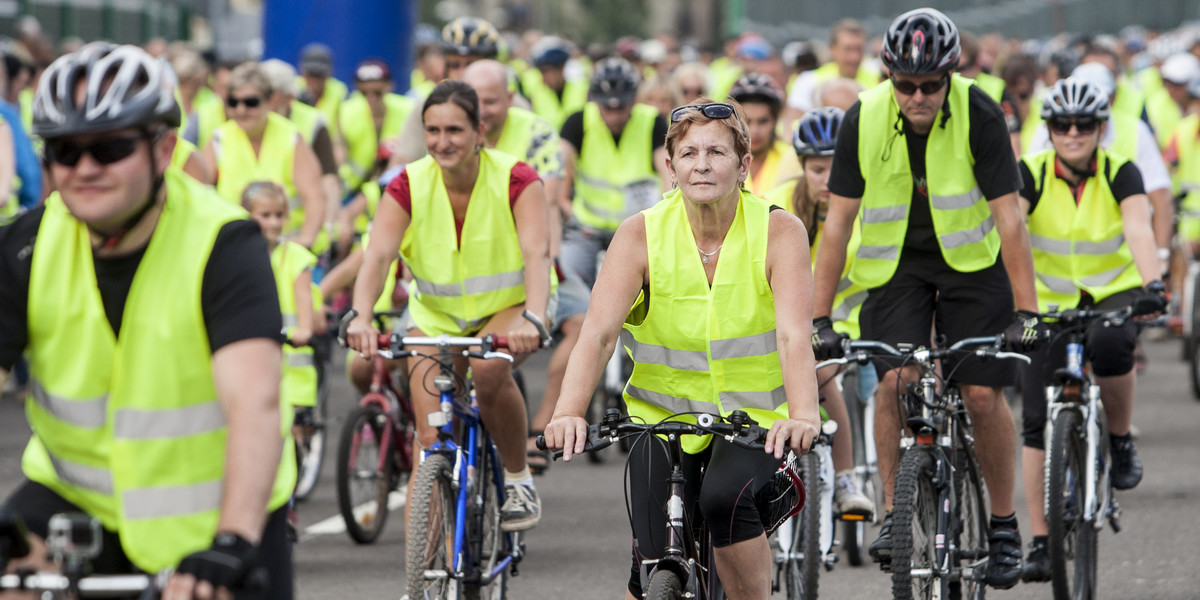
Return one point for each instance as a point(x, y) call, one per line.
point(925, 162)
point(147, 309)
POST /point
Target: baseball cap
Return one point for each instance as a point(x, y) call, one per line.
point(372, 69)
point(316, 59)
point(1097, 75)
point(754, 47)
point(1180, 68)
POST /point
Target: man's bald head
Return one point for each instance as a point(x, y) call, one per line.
point(489, 78)
point(485, 73)
point(840, 92)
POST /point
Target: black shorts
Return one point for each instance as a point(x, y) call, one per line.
point(36, 503)
point(926, 294)
point(727, 495)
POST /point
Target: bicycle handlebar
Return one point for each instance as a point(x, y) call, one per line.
point(92, 586)
point(861, 351)
point(739, 429)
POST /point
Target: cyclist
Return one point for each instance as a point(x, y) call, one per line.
point(552, 95)
point(717, 266)
point(370, 116)
point(1080, 200)
point(319, 87)
point(1167, 105)
point(171, 442)
point(772, 161)
point(847, 47)
point(498, 267)
point(807, 197)
point(1183, 153)
point(257, 144)
point(945, 242)
point(202, 109)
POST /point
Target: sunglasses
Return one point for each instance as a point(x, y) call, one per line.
point(1084, 125)
point(712, 110)
point(104, 151)
point(928, 88)
point(249, 101)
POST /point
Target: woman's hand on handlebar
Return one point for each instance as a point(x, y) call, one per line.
point(362, 335)
point(300, 337)
point(566, 433)
point(791, 433)
point(524, 337)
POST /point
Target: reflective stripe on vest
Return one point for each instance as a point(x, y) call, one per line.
point(690, 352)
point(458, 287)
point(615, 181)
point(962, 219)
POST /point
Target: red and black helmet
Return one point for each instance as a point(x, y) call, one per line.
point(919, 42)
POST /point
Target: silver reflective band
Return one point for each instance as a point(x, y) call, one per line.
point(1048, 244)
point(466, 325)
point(172, 501)
point(880, 252)
point(142, 424)
point(1060, 285)
point(290, 320)
point(1100, 248)
point(671, 403)
point(842, 311)
point(88, 412)
point(760, 344)
point(975, 234)
point(956, 201)
point(1104, 277)
point(1189, 186)
point(843, 285)
point(479, 284)
point(96, 479)
point(300, 360)
point(642, 353)
point(768, 400)
point(884, 214)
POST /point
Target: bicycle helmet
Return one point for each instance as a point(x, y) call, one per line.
point(1072, 97)
point(123, 86)
point(919, 42)
point(816, 133)
point(756, 87)
point(466, 36)
point(614, 82)
point(551, 51)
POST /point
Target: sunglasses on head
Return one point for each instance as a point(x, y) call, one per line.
point(712, 110)
point(249, 101)
point(1084, 125)
point(104, 151)
point(928, 88)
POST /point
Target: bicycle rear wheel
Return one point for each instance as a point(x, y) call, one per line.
point(664, 585)
point(1072, 542)
point(429, 543)
point(365, 473)
point(915, 529)
point(488, 542)
point(971, 527)
point(801, 572)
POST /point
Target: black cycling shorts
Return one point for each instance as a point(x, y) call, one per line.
point(727, 495)
point(925, 294)
point(1110, 351)
point(36, 503)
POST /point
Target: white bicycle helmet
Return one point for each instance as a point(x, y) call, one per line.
point(1072, 97)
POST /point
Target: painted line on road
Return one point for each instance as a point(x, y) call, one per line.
point(335, 524)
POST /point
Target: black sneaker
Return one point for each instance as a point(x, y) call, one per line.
point(1126, 466)
point(881, 549)
point(1037, 564)
point(522, 508)
point(1004, 558)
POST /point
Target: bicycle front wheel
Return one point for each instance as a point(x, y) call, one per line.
point(488, 542)
point(664, 585)
point(429, 543)
point(801, 572)
point(915, 530)
point(365, 472)
point(1071, 543)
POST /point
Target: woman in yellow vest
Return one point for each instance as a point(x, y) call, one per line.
point(709, 264)
point(772, 161)
point(257, 144)
point(1093, 246)
point(471, 224)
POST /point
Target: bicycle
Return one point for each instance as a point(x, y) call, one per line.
point(866, 466)
point(804, 544)
point(455, 547)
point(686, 569)
point(375, 450)
point(940, 514)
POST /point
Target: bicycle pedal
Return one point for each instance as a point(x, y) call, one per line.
point(1114, 519)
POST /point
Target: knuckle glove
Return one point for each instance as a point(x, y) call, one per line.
point(1153, 299)
point(1026, 333)
point(228, 563)
point(826, 342)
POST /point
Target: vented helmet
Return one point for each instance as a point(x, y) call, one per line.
point(816, 132)
point(614, 82)
point(466, 36)
point(756, 87)
point(919, 42)
point(1072, 97)
point(551, 51)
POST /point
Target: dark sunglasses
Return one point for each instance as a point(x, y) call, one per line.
point(1084, 125)
point(928, 88)
point(104, 151)
point(712, 110)
point(249, 101)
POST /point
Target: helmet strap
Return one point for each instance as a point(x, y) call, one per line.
point(110, 241)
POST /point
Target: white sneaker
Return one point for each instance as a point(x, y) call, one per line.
point(522, 508)
point(849, 501)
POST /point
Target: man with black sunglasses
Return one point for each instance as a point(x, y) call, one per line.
point(925, 162)
point(146, 307)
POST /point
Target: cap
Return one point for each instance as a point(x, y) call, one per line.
point(1180, 68)
point(372, 69)
point(1097, 75)
point(754, 47)
point(316, 59)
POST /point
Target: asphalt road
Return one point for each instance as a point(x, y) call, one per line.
point(580, 550)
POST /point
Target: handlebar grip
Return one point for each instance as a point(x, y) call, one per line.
point(343, 325)
point(543, 333)
point(540, 442)
point(499, 342)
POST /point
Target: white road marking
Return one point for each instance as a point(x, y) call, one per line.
point(335, 524)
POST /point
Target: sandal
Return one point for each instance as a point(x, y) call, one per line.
point(538, 460)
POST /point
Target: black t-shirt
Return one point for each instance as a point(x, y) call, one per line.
point(1126, 182)
point(237, 296)
point(995, 166)
point(572, 132)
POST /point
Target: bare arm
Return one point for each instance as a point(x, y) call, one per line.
point(306, 176)
point(553, 186)
point(210, 157)
point(529, 214)
point(1015, 250)
point(305, 319)
point(198, 167)
point(1163, 222)
point(341, 276)
point(831, 255)
point(569, 156)
point(346, 216)
point(7, 165)
point(386, 234)
point(1135, 217)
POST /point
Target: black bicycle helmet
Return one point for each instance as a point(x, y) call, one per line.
point(123, 86)
point(614, 82)
point(756, 87)
point(1072, 97)
point(550, 51)
point(919, 42)
point(466, 36)
point(816, 132)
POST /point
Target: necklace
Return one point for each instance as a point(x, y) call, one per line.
point(704, 255)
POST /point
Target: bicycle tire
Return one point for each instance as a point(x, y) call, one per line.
point(430, 536)
point(487, 540)
point(803, 579)
point(971, 526)
point(1072, 541)
point(915, 528)
point(362, 488)
point(854, 533)
point(310, 445)
point(664, 585)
